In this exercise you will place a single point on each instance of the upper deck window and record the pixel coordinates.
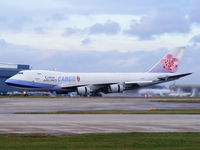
(20, 73)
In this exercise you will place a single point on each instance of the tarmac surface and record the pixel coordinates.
(64, 124)
(13, 105)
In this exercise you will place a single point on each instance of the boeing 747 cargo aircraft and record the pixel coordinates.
(92, 84)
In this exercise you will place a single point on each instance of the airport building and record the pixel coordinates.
(187, 88)
(6, 71)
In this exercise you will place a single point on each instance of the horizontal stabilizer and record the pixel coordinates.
(178, 76)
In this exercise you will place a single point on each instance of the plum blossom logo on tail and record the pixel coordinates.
(170, 63)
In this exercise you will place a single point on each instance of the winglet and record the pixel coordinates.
(170, 63)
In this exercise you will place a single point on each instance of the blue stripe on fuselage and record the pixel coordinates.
(28, 84)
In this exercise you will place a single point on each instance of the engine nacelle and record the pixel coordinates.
(116, 88)
(83, 90)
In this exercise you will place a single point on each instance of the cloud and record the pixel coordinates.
(40, 30)
(7, 46)
(57, 17)
(196, 39)
(23, 54)
(109, 28)
(194, 15)
(119, 6)
(189, 64)
(102, 19)
(86, 41)
(70, 61)
(14, 23)
(77, 61)
(158, 23)
(93, 61)
(71, 31)
(127, 62)
(26, 15)
(3, 43)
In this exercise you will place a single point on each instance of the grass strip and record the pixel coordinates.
(111, 141)
(177, 101)
(152, 111)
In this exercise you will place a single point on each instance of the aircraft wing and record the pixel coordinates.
(94, 88)
(137, 84)
(104, 87)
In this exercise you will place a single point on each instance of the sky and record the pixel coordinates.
(100, 35)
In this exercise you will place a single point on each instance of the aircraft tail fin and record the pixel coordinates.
(170, 63)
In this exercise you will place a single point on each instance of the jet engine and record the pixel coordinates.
(83, 90)
(116, 88)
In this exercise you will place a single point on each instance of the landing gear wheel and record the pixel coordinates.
(97, 94)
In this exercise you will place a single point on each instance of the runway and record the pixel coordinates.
(81, 124)
(64, 124)
(13, 105)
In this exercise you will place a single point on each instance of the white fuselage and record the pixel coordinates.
(49, 80)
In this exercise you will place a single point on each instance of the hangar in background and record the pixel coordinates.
(8, 70)
(194, 89)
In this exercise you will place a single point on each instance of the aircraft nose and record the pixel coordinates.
(9, 81)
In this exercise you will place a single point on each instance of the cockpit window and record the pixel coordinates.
(20, 73)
